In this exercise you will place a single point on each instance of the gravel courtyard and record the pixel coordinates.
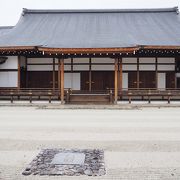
(139, 144)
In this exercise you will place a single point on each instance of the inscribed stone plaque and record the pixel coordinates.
(69, 158)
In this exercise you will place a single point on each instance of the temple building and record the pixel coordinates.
(91, 55)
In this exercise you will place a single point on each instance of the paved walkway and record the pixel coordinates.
(139, 144)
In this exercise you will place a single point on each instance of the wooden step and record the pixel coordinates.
(89, 98)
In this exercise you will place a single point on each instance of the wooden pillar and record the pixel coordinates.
(19, 74)
(54, 76)
(26, 68)
(137, 73)
(59, 75)
(120, 74)
(156, 71)
(72, 73)
(116, 81)
(62, 80)
(71, 65)
(90, 75)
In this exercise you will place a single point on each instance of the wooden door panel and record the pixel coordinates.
(39, 79)
(102, 80)
(99, 80)
(84, 80)
(170, 79)
(147, 79)
(132, 79)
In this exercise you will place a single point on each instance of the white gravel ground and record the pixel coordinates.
(139, 144)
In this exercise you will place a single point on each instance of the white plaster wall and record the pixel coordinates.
(40, 68)
(166, 67)
(98, 67)
(125, 81)
(147, 60)
(161, 80)
(102, 60)
(147, 67)
(129, 67)
(65, 60)
(81, 67)
(40, 60)
(129, 60)
(72, 80)
(81, 60)
(102, 67)
(166, 60)
(8, 79)
(11, 63)
(66, 67)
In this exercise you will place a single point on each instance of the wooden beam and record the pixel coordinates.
(116, 81)
(88, 50)
(19, 73)
(137, 73)
(54, 76)
(162, 47)
(17, 48)
(62, 80)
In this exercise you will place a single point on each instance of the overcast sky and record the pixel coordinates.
(10, 10)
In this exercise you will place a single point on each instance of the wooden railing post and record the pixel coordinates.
(169, 97)
(149, 96)
(110, 96)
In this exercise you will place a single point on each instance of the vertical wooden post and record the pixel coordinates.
(62, 80)
(71, 73)
(54, 77)
(156, 71)
(90, 75)
(137, 73)
(19, 74)
(59, 77)
(120, 74)
(26, 68)
(116, 81)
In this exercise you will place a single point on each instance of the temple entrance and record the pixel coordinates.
(147, 79)
(99, 81)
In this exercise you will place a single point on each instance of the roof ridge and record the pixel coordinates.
(6, 27)
(174, 9)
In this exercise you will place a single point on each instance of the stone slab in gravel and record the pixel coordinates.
(69, 158)
(72, 162)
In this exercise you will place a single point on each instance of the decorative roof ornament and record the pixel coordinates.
(3, 60)
(177, 9)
